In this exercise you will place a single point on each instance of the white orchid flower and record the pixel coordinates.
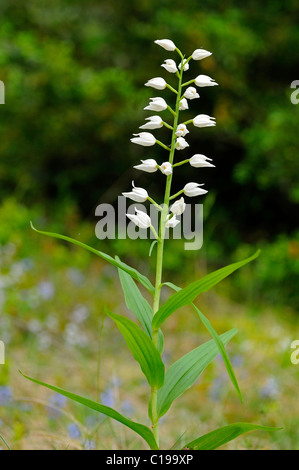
(193, 189)
(200, 161)
(178, 207)
(149, 166)
(183, 104)
(200, 54)
(144, 138)
(157, 82)
(166, 168)
(191, 93)
(137, 194)
(203, 120)
(167, 44)
(155, 122)
(181, 130)
(205, 80)
(157, 104)
(171, 222)
(170, 66)
(141, 219)
(186, 65)
(181, 143)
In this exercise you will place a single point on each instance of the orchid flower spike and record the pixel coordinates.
(157, 104)
(192, 190)
(149, 166)
(158, 83)
(203, 120)
(155, 122)
(181, 143)
(141, 219)
(183, 104)
(181, 130)
(144, 138)
(166, 168)
(205, 80)
(191, 93)
(200, 54)
(167, 44)
(200, 161)
(178, 207)
(137, 194)
(186, 65)
(170, 66)
(171, 222)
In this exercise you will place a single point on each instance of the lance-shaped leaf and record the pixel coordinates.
(119, 264)
(218, 342)
(217, 438)
(143, 350)
(188, 294)
(140, 429)
(184, 372)
(139, 306)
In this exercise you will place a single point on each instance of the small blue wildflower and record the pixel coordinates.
(73, 431)
(5, 395)
(127, 407)
(237, 360)
(55, 402)
(46, 290)
(89, 444)
(270, 390)
(107, 397)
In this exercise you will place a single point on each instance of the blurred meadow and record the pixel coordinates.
(74, 74)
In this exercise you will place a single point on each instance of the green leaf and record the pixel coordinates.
(184, 372)
(218, 342)
(217, 438)
(140, 429)
(119, 264)
(139, 306)
(188, 294)
(136, 302)
(143, 350)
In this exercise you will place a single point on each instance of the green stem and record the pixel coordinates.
(176, 194)
(160, 246)
(182, 162)
(162, 145)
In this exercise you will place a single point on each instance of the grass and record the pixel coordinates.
(54, 328)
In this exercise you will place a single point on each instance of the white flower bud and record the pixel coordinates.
(170, 66)
(166, 168)
(137, 194)
(141, 219)
(191, 93)
(181, 143)
(192, 189)
(144, 138)
(155, 122)
(149, 165)
(183, 104)
(171, 222)
(157, 104)
(186, 65)
(181, 130)
(200, 161)
(167, 44)
(157, 82)
(205, 80)
(200, 54)
(203, 120)
(178, 207)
